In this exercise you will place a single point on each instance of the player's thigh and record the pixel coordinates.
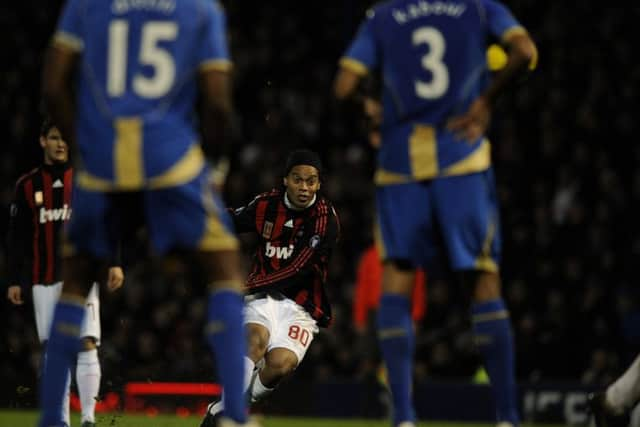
(45, 298)
(258, 312)
(88, 231)
(189, 216)
(294, 331)
(467, 211)
(405, 223)
(91, 325)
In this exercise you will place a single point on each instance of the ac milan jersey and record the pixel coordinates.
(42, 204)
(293, 254)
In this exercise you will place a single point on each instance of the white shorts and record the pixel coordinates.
(45, 298)
(289, 325)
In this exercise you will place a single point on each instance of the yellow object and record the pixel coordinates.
(496, 57)
(481, 377)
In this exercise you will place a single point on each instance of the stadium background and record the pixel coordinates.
(567, 164)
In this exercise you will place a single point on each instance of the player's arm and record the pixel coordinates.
(60, 63)
(115, 272)
(244, 217)
(18, 237)
(522, 56)
(313, 246)
(354, 68)
(215, 85)
(215, 113)
(59, 66)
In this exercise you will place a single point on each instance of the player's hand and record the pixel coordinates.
(14, 294)
(375, 139)
(473, 124)
(115, 279)
(219, 174)
(373, 111)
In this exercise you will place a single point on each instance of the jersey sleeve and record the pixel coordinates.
(213, 52)
(18, 238)
(70, 31)
(362, 55)
(244, 218)
(502, 24)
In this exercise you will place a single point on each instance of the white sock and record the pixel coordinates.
(66, 416)
(626, 390)
(259, 390)
(88, 376)
(249, 366)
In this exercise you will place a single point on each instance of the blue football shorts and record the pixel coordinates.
(454, 218)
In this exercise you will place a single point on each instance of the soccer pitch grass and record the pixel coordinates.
(28, 419)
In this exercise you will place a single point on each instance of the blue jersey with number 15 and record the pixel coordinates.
(432, 56)
(137, 87)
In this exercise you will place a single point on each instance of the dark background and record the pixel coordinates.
(566, 153)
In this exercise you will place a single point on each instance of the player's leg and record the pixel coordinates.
(467, 211)
(86, 242)
(612, 408)
(625, 391)
(224, 328)
(88, 371)
(291, 336)
(44, 303)
(64, 338)
(194, 218)
(257, 341)
(403, 216)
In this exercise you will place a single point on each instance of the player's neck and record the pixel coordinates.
(291, 206)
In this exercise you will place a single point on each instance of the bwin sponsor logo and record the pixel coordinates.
(278, 252)
(62, 214)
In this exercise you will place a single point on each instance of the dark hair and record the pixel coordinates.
(47, 125)
(303, 157)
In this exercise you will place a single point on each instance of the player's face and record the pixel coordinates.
(55, 149)
(302, 183)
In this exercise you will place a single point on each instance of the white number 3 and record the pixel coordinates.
(164, 69)
(432, 62)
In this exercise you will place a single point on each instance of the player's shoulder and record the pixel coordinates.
(273, 194)
(324, 207)
(27, 176)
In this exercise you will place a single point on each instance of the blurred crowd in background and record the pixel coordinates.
(569, 183)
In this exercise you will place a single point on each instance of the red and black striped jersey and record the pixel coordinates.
(294, 249)
(41, 205)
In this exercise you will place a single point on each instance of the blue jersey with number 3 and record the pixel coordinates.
(137, 86)
(432, 58)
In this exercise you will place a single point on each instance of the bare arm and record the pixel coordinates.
(216, 113)
(474, 123)
(57, 86)
(522, 55)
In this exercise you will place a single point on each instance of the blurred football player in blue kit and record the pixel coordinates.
(435, 185)
(129, 110)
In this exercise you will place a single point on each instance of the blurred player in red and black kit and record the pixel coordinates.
(42, 204)
(286, 302)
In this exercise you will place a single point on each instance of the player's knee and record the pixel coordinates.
(257, 344)
(89, 343)
(281, 363)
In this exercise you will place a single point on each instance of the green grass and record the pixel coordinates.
(28, 419)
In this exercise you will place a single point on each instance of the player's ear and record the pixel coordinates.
(43, 141)
(284, 181)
